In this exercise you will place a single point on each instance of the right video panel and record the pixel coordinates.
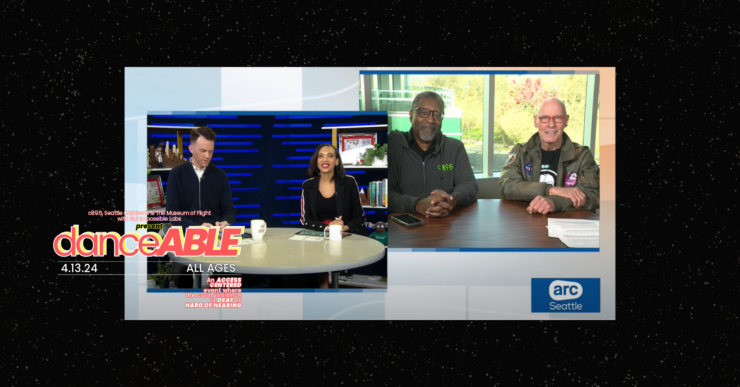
(492, 176)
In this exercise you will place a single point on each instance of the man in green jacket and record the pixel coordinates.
(550, 171)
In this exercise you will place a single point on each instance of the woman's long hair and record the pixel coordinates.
(313, 168)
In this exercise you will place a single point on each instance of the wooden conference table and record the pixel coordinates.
(277, 255)
(488, 223)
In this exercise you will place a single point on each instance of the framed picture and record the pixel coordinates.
(357, 140)
(154, 192)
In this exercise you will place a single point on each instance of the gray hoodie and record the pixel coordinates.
(410, 178)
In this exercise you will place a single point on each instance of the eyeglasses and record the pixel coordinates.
(424, 113)
(546, 119)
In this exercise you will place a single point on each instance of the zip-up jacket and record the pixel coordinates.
(410, 178)
(520, 177)
(348, 206)
(185, 192)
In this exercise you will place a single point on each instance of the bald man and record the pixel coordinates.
(550, 171)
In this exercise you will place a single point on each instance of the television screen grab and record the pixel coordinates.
(363, 194)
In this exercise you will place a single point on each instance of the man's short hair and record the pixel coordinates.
(204, 131)
(430, 95)
(562, 104)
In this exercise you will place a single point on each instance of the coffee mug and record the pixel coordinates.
(258, 229)
(335, 233)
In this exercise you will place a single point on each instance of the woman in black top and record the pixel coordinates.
(329, 196)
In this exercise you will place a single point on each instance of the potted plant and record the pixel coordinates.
(163, 276)
(376, 152)
(151, 283)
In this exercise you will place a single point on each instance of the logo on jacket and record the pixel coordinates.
(528, 169)
(571, 179)
(511, 157)
(445, 167)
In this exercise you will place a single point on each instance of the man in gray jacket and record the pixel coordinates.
(550, 171)
(428, 173)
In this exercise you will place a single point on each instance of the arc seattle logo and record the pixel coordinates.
(566, 295)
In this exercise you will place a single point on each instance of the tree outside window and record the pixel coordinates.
(468, 109)
(516, 100)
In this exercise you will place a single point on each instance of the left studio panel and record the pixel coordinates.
(265, 169)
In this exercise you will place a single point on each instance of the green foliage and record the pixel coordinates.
(468, 98)
(597, 151)
(370, 154)
(517, 99)
(164, 272)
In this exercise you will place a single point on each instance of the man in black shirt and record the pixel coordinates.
(428, 172)
(199, 185)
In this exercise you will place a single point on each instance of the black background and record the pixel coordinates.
(677, 253)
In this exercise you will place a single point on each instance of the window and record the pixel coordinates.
(597, 143)
(463, 95)
(516, 100)
(489, 112)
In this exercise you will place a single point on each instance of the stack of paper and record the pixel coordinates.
(574, 232)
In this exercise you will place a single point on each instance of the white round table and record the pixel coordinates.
(277, 254)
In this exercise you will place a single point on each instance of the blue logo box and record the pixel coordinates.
(566, 295)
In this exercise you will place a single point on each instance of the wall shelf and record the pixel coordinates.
(365, 127)
(365, 167)
(178, 129)
(155, 209)
(359, 128)
(364, 281)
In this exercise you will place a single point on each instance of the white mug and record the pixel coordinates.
(335, 233)
(259, 227)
